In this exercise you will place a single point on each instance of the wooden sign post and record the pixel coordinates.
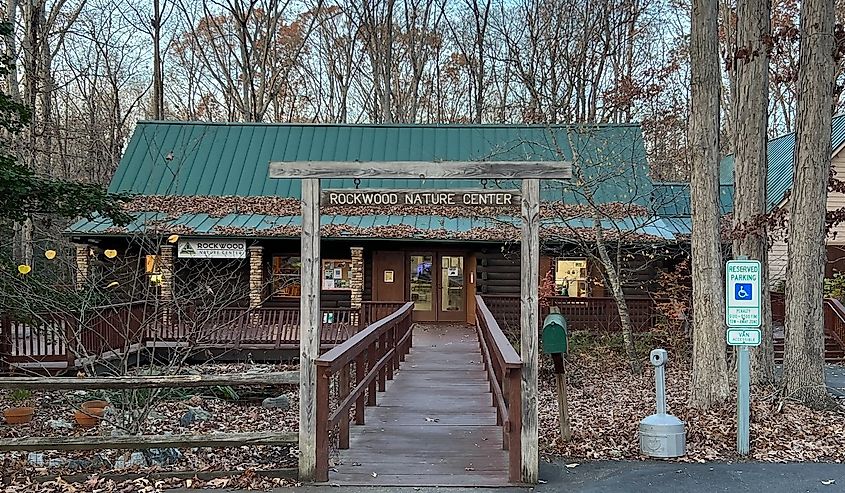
(530, 172)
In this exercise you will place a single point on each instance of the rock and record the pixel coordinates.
(35, 459)
(194, 414)
(100, 461)
(136, 459)
(56, 463)
(60, 424)
(281, 402)
(164, 456)
(79, 464)
(110, 413)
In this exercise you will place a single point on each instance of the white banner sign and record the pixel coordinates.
(744, 337)
(212, 248)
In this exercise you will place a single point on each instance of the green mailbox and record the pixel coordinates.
(554, 334)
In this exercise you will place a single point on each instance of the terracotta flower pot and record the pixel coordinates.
(18, 415)
(94, 405)
(87, 419)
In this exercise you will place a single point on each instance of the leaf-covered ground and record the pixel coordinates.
(606, 404)
(226, 413)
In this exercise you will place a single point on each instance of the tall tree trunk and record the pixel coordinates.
(611, 275)
(709, 369)
(803, 366)
(751, 64)
(158, 84)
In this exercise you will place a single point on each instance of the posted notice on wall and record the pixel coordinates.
(233, 249)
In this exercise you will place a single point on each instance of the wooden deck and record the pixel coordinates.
(435, 425)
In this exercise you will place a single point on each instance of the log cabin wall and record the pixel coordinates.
(498, 272)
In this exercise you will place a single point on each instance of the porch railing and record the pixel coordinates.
(241, 326)
(351, 373)
(590, 313)
(62, 338)
(504, 371)
(376, 310)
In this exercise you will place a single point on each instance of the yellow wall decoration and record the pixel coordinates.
(50, 254)
(24, 269)
(110, 253)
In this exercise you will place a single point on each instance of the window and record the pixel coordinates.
(152, 267)
(286, 276)
(571, 277)
(336, 274)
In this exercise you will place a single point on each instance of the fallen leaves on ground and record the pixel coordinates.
(226, 416)
(607, 402)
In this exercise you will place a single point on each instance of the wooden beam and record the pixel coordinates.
(529, 327)
(309, 333)
(147, 382)
(214, 440)
(290, 473)
(409, 170)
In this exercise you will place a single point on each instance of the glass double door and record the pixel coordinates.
(437, 286)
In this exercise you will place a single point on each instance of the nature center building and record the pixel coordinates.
(203, 198)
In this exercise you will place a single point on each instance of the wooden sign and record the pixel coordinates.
(379, 197)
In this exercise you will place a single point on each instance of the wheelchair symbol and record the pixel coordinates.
(742, 291)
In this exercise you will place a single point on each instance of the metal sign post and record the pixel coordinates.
(743, 316)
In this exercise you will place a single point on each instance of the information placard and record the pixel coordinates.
(742, 295)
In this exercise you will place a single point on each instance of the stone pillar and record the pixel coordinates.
(83, 265)
(165, 294)
(256, 281)
(356, 280)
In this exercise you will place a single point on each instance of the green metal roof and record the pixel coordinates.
(781, 154)
(672, 199)
(218, 159)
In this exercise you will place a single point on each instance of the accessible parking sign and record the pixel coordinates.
(743, 293)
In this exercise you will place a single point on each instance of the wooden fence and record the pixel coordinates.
(140, 442)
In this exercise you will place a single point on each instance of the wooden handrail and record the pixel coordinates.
(836, 326)
(504, 371)
(505, 350)
(372, 355)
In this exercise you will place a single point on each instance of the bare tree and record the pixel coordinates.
(749, 60)
(104, 318)
(249, 51)
(803, 371)
(709, 368)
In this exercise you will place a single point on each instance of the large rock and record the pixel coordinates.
(35, 459)
(59, 424)
(164, 456)
(281, 402)
(194, 414)
(137, 459)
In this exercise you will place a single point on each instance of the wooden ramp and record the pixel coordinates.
(435, 425)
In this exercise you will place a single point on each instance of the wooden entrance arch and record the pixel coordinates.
(530, 172)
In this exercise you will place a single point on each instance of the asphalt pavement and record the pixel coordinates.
(649, 477)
